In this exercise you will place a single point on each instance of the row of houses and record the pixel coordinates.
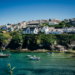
(10, 27)
(54, 21)
(21, 25)
(71, 21)
(37, 23)
(48, 30)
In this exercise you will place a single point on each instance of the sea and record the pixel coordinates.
(50, 64)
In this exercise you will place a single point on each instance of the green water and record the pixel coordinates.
(55, 64)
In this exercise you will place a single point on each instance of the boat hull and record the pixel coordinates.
(72, 56)
(4, 56)
(32, 58)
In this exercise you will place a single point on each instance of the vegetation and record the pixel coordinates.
(40, 32)
(4, 37)
(10, 70)
(17, 38)
(71, 49)
(60, 25)
(33, 41)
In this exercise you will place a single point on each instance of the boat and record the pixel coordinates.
(72, 56)
(49, 53)
(34, 58)
(4, 55)
(28, 55)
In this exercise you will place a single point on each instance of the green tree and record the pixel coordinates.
(4, 37)
(17, 38)
(63, 39)
(62, 23)
(13, 33)
(73, 37)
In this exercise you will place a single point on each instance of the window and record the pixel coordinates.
(27, 31)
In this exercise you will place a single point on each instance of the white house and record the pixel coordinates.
(53, 23)
(30, 30)
(56, 31)
(45, 29)
(68, 30)
(65, 29)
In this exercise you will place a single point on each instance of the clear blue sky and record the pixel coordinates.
(13, 11)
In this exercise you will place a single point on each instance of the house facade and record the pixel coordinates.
(56, 31)
(72, 21)
(68, 29)
(54, 21)
(30, 30)
(45, 29)
(36, 22)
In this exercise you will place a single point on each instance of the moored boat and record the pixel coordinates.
(28, 55)
(34, 58)
(4, 55)
(72, 56)
(49, 53)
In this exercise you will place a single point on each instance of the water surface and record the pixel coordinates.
(53, 64)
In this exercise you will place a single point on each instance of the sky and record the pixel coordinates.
(14, 11)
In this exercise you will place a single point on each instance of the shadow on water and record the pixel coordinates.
(47, 71)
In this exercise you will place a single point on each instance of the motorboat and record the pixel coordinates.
(4, 55)
(49, 53)
(34, 58)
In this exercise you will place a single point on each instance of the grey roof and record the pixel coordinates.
(40, 28)
(30, 28)
(24, 29)
(33, 22)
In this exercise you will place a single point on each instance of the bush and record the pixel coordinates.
(71, 49)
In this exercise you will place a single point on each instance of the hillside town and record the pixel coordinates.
(51, 26)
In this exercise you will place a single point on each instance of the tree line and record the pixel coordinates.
(34, 41)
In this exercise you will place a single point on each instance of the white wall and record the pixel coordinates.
(53, 23)
(26, 32)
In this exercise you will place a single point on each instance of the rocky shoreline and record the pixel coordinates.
(39, 51)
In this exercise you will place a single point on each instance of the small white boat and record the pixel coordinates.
(49, 53)
(35, 58)
(28, 55)
(4, 55)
